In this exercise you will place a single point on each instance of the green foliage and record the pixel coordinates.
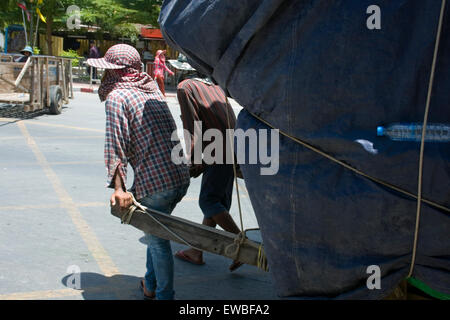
(36, 50)
(144, 11)
(117, 16)
(71, 54)
(10, 13)
(111, 16)
(127, 30)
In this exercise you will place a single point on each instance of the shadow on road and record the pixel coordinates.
(16, 113)
(96, 286)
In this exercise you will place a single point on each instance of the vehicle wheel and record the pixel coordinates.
(56, 101)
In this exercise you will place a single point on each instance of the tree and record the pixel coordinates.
(145, 11)
(56, 17)
(118, 16)
(10, 13)
(115, 17)
(52, 10)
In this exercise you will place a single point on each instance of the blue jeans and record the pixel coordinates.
(159, 275)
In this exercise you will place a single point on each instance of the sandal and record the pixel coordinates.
(147, 297)
(182, 256)
(235, 265)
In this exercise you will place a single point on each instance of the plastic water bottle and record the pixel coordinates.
(435, 132)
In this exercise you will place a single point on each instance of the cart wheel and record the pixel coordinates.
(56, 101)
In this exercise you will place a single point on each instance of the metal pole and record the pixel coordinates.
(25, 27)
(6, 39)
(90, 72)
(36, 34)
(31, 27)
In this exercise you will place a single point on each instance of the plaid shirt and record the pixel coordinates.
(139, 127)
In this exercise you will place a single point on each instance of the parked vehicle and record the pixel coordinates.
(41, 82)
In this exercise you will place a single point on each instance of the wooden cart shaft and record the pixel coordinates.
(196, 235)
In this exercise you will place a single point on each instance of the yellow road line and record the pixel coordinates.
(40, 123)
(46, 124)
(92, 204)
(122, 290)
(64, 163)
(61, 205)
(11, 138)
(8, 119)
(35, 295)
(104, 262)
(55, 163)
(54, 137)
(53, 206)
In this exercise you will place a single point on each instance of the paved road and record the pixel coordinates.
(55, 218)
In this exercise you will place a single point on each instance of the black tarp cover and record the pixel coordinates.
(313, 69)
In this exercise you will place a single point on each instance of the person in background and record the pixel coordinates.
(139, 128)
(27, 52)
(202, 100)
(159, 68)
(93, 54)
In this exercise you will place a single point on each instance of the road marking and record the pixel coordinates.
(102, 258)
(11, 138)
(61, 205)
(8, 120)
(55, 163)
(48, 294)
(123, 291)
(54, 137)
(53, 206)
(46, 124)
(65, 163)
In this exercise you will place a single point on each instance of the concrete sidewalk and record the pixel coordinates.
(85, 87)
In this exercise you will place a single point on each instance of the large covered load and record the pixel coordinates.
(328, 74)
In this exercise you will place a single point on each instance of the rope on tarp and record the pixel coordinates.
(422, 142)
(234, 170)
(240, 238)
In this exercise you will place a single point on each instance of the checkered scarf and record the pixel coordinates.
(128, 77)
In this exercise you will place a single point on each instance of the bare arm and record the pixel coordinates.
(120, 195)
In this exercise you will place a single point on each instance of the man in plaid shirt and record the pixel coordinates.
(139, 127)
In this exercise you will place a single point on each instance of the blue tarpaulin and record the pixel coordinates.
(319, 71)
